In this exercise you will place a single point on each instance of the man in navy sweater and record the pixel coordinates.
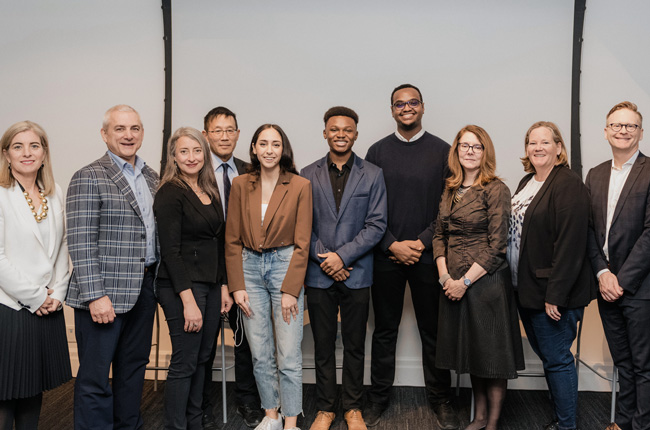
(414, 163)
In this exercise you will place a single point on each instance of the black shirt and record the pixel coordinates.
(339, 178)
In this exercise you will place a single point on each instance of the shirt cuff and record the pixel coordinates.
(601, 272)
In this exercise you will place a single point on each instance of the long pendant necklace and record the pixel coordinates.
(38, 217)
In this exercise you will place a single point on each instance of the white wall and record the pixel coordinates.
(501, 64)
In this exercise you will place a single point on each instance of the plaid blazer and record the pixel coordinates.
(106, 236)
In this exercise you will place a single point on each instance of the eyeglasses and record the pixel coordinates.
(464, 147)
(412, 103)
(229, 131)
(616, 127)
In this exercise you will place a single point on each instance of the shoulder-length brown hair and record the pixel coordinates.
(562, 159)
(45, 175)
(488, 159)
(207, 182)
(286, 159)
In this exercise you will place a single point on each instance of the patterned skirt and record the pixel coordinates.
(480, 334)
(34, 354)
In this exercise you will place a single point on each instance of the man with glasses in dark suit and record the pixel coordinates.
(222, 132)
(619, 248)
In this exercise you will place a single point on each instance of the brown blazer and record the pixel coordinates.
(474, 230)
(287, 222)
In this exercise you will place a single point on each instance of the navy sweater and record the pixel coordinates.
(415, 174)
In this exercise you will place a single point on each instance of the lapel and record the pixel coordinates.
(635, 170)
(325, 184)
(55, 208)
(353, 180)
(538, 197)
(115, 174)
(281, 189)
(23, 213)
(470, 195)
(199, 206)
(600, 192)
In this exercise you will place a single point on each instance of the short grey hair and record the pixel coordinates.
(117, 108)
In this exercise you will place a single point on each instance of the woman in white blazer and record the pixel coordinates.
(34, 274)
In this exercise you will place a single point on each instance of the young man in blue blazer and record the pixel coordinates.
(349, 220)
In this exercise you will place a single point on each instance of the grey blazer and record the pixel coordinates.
(106, 236)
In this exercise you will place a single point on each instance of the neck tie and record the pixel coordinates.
(226, 187)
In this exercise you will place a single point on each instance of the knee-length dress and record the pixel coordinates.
(478, 334)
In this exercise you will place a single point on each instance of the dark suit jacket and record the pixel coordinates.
(106, 235)
(242, 166)
(191, 245)
(354, 230)
(629, 234)
(287, 222)
(553, 262)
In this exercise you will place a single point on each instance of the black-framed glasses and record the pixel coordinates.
(230, 132)
(464, 147)
(616, 127)
(412, 103)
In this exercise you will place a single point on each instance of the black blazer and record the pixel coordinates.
(629, 234)
(553, 262)
(191, 245)
(242, 166)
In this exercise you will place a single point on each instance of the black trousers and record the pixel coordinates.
(627, 328)
(190, 352)
(126, 343)
(245, 386)
(388, 302)
(323, 305)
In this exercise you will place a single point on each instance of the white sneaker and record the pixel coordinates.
(294, 428)
(269, 423)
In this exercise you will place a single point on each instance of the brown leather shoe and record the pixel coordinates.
(323, 420)
(355, 420)
(612, 426)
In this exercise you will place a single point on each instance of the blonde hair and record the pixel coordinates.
(562, 158)
(487, 165)
(206, 181)
(626, 105)
(45, 175)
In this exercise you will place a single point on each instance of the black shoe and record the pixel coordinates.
(251, 413)
(553, 425)
(210, 423)
(446, 416)
(372, 413)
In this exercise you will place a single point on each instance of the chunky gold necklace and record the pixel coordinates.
(39, 217)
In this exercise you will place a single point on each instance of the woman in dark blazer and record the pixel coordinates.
(192, 271)
(478, 329)
(267, 248)
(547, 252)
(34, 277)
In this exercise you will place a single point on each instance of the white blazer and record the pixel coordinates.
(27, 269)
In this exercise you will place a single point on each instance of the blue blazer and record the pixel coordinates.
(352, 232)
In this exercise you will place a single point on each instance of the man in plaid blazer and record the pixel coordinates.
(112, 240)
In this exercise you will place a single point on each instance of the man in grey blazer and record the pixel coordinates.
(112, 242)
(619, 248)
(222, 132)
(349, 220)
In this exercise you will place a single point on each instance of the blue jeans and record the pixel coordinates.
(279, 383)
(551, 340)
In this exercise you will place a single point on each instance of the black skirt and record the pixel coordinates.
(480, 334)
(34, 354)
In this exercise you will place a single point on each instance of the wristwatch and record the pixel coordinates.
(467, 282)
(444, 278)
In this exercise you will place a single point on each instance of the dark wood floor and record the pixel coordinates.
(409, 410)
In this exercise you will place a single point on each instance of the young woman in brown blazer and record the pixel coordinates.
(267, 247)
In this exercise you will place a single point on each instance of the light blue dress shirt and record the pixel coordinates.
(143, 196)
